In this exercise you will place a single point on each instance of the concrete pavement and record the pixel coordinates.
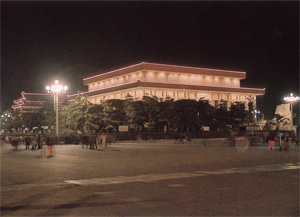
(153, 179)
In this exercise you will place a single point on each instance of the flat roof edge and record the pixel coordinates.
(156, 66)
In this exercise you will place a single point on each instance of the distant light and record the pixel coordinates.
(291, 98)
(56, 88)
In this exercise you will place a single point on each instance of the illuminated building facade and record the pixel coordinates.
(177, 82)
(32, 102)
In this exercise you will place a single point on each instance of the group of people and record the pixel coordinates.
(281, 142)
(88, 140)
(36, 142)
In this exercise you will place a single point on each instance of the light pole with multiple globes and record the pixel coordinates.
(56, 89)
(291, 99)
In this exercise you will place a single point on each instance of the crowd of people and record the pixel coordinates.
(32, 142)
(35, 142)
(92, 141)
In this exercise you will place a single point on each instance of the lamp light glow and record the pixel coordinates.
(291, 99)
(56, 89)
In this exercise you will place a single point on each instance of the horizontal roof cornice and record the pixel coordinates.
(139, 83)
(165, 68)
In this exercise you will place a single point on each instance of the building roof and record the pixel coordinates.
(139, 83)
(32, 101)
(37, 96)
(166, 68)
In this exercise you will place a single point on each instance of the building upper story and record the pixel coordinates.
(169, 74)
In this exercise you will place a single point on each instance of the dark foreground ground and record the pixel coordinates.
(150, 179)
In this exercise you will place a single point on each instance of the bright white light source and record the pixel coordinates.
(56, 88)
(291, 98)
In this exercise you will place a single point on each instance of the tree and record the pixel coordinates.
(48, 115)
(185, 118)
(113, 114)
(43, 117)
(205, 113)
(166, 113)
(116, 111)
(150, 110)
(32, 120)
(10, 119)
(221, 118)
(238, 115)
(82, 115)
(130, 109)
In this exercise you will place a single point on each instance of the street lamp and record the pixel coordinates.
(56, 89)
(291, 99)
(255, 113)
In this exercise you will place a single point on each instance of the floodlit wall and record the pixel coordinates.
(166, 77)
(163, 93)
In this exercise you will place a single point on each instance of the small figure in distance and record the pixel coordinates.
(27, 142)
(271, 141)
(281, 139)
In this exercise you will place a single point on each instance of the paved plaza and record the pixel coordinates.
(150, 179)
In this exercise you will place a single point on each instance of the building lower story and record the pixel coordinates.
(136, 91)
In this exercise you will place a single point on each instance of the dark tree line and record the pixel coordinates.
(153, 115)
(148, 114)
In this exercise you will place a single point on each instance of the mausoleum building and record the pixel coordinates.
(177, 82)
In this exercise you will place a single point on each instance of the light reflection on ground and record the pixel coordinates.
(160, 177)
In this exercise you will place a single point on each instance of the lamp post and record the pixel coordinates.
(255, 113)
(291, 99)
(56, 89)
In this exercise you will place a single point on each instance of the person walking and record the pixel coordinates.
(48, 146)
(27, 142)
(271, 141)
(7, 139)
(34, 143)
(281, 139)
(15, 143)
(39, 142)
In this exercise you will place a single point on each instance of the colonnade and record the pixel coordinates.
(177, 94)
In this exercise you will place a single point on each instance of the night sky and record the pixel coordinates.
(70, 40)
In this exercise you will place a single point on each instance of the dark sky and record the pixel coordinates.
(43, 41)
